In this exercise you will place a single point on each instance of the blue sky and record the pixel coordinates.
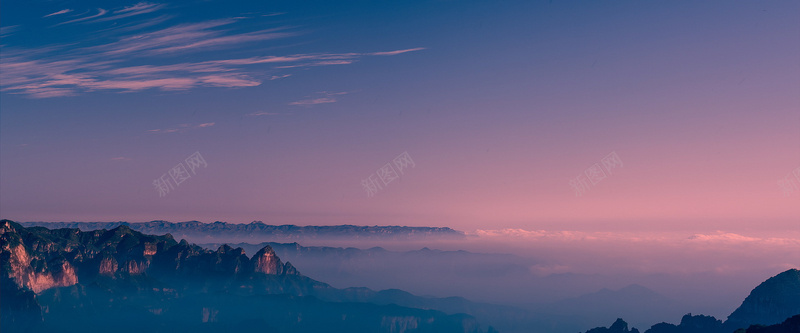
(500, 104)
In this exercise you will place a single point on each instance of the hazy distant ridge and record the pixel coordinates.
(258, 229)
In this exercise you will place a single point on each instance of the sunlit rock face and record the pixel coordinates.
(267, 262)
(108, 266)
(135, 267)
(34, 273)
(150, 249)
(38, 259)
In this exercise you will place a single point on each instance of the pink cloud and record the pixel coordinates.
(46, 72)
(262, 113)
(100, 12)
(314, 101)
(391, 53)
(63, 11)
(230, 81)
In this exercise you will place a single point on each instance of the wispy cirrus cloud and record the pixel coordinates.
(63, 11)
(137, 9)
(100, 12)
(136, 56)
(42, 79)
(100, 16)
(8, 30)
(314, 101)
(264, 113)
(391, 53)
(181, 128)
(327, 97)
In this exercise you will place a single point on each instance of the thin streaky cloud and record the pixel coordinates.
(314, 101)
(100, 12)
(7, 31)
(263, 113)
(329, 98)
(43, 78)
(62, 70)
(63, 11)
(187, 37)
(138, 9)
(236, 39)
(229, 81)
(181, 128)
(134, 26)
(390, 53)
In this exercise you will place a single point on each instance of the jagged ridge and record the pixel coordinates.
(257, 229)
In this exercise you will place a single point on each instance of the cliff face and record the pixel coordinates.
(771, 302)
(39, 258)
(121, 280)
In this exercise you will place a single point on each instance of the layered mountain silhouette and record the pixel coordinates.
(126, 281)
(633, 301)
(200, 232)
(772, 307)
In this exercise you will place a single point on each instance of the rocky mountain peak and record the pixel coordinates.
(771, 302)
(267, 262)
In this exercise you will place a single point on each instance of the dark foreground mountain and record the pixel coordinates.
(619, 326)
(772, 307)
(257, 231)
(121, 280)
(791, 325)
(771, 302)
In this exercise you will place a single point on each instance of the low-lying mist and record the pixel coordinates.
(644, 277)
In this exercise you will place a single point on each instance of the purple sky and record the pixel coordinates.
(500, 105)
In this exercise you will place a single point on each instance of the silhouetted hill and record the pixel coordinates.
(619, 326)
(777, 297)
(633, 301)
(791, 325)
(691, 324)
(771, 302)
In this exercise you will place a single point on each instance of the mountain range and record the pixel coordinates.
(199, 232)
(123, 280)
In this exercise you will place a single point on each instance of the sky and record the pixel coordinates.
(484, 116)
